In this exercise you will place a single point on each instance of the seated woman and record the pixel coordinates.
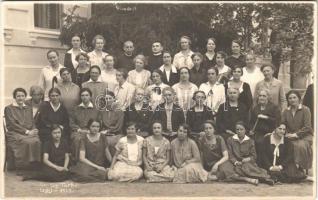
(156, 156)
(52, 112)
(22, 138)
(81, 73)
(140, 112)
(139, 77)
(55, 159)
(198, 114)
(127, 160)
(112, 119)
(94, 156)
(79, 118)
(243, 155)
(37, 96)
(297, 118)
(278, 159)
(265, 117)
(169, 114)
(215, 156)
(186, 157)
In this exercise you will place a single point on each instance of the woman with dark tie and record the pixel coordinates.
(170, 72)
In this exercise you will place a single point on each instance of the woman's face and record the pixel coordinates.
(109, 100)
(209, 130)
(199, 98)
(76, 42)
(262, 97)
(250, 60)
(293, 100)
(167, 60)
(131, 131)
(156, 78)
(109, 62)
(210, 46)
(20, 98)
(212, 77)
(85, 97)
(66, 76)
(139, 64)
(55, 97)
(99, 44)
(182, 133)
(219, 60)
(237, 73)
(240, 131)
(232, 94)
(280, 131)
(157, 129)
(37, 96)
(53, 58)
(184, 75)
(56, 134)
(139, 95)
(197, 61)
(268, 72)
(94, 128)
(185, 44)
(82, 60)
(236, 49)
(94, 74)
(168, 96)
(120, 77)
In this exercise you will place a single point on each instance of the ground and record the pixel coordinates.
(14, 187)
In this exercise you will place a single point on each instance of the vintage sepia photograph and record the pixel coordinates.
(158, 99)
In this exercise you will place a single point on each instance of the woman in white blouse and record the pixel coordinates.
(139, 77)
(108, 74)
(70, 56)
(183, 58)
(96, 56)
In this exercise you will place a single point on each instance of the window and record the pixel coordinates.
(47, 16)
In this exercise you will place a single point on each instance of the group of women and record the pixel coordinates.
(192, 118)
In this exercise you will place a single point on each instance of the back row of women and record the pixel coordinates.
(92, 102)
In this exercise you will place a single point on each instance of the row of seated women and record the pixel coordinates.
(29, 126)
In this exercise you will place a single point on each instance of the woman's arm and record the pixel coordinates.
(108, 155)
(114, 159)
(47, 162)
(83, 159)
(67, 160)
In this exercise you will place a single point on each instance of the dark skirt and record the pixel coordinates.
(84, 173)
(225, 171)
(288, 175)
(251, 170)
(259, 138)
(303, 154)
(47, 174)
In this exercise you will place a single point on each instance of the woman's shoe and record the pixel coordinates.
(252, 181)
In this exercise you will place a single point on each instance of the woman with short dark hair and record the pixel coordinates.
(70, 60)
(237, 58)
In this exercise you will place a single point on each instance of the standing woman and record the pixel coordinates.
(243, 155)
(265, 117)
(94, 156)
(236, 58)
(297, 118)
(109, 72)
(156, 156)
(229, 113)
(275, 86)
(50, 71)
(52, 112)
(139, 77)
(70, 61)
(183, 58)
(209, 58)
(186, 157)
(37, 96)
(155, 90)
(140, 112)
(96, 56)
(170, 72)
(245, 96)
(185, 89)
(198, 72)
(215, 156)
(22, 136)
(127, 160)
(69, 90)
(224, 70)
(81, 73)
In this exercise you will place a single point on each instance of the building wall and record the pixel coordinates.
(25, 46)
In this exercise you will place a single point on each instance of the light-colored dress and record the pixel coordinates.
(127, 167)
(155, 92)
(156, 156)
(184, 95)
(252, 78)
(139, 79)
(192, 172)
(94, 59)
(181, 60)
(109, 77)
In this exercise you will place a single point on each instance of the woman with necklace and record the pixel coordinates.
(245, 96)
(139, 77)
(237, 58)
(94, 156)
(209, 58)
(215, 156)
(156, 156)
(170, 72)
(265, 117)
(70, 61)
(185, 89)
(81, 73)
(127, 160)
(108, 74)
(96, 56)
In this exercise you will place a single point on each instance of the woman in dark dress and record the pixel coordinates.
(245, 96)
(209, 58)
(243, 155)
(94, 156)
(278, 159)
(52, 112)
(265, 117)
(229, 113)
(55, 159)
(215, 156)
(236, 58)
(81, 73)
(198, 74)
(170, 72)
(140, 112)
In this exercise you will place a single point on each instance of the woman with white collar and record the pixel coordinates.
(70, 56)
(170, 72)
(96, 56)
(242, 154)
(183, 58)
